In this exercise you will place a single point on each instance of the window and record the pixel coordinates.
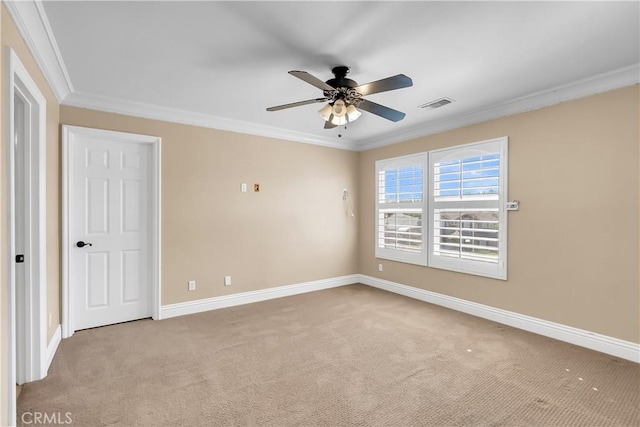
(401, 209)
(458, 221)
(467, 215)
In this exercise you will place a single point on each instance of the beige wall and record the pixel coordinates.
(573, 245)
(12, 38)
(294, 230)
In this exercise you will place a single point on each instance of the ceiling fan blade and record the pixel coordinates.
(303, 75)
(390, 83)
(381, 110)
(296, 104)
(329, 125)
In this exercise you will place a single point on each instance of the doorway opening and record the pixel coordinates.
(110, 227)
(26, 250)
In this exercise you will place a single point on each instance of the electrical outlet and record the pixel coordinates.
(380, 267)
(243, 187)
(192, 285)
(227, 280)
(256, 188)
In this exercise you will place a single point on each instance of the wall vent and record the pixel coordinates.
(432, 105)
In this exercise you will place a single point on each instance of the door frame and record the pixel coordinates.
(30, 305)
(68, 132)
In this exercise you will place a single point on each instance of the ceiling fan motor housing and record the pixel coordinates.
(344, 86)
(340, 79)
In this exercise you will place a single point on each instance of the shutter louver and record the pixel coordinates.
(467, 222)
(400, 209)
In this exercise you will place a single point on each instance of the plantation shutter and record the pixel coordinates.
(400, 208)
(467, 215)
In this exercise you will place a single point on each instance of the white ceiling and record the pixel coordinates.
(221, 64)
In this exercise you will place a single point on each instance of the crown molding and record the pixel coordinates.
(605, 82)
(616, 79)
(31, 20)
(155, 112)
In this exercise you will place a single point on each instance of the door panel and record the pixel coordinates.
(131, 194)
(109, 193)
(20, 229)
(97, 204)
(97, 266)
(131, 291)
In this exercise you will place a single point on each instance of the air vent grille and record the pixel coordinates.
(432, 105)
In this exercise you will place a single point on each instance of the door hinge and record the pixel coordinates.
(19, 258)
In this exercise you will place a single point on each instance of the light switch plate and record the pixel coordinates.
(513, 205)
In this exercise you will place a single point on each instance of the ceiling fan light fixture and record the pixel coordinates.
(339, 108)
(353, 113)
(325, 112)
(339, 120)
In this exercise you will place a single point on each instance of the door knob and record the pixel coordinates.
(82, 244)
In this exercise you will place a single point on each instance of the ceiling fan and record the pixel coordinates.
(344, 95)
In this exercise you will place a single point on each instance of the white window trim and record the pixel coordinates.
(427, 258)
(396, 255)
(496, 271)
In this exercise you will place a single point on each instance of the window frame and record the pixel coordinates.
(493, 270)
(429, 205)
(418, 258)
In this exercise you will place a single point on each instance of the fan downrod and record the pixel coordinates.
(340, 72)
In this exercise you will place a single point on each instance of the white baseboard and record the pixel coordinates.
(53, 347)
(605, 344)
(198, 306)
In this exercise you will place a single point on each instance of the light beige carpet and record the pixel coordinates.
(350, 356)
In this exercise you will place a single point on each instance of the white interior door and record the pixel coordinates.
(110, 195)
(20, 128)
(26, 226)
